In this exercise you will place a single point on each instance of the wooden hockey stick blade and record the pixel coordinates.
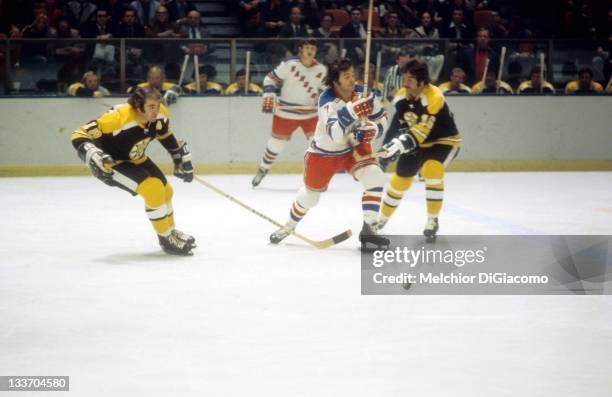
(345, 235)
(318, 244)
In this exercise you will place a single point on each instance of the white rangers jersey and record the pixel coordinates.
(299, 86)
(333, 136)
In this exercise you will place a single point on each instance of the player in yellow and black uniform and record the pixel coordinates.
(113, 147)
(428, 142)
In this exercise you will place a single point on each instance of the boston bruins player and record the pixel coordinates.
(113, 147)
(428, 142)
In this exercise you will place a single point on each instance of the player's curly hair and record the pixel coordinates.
(140, 95)
(334, 69)
(418, 69)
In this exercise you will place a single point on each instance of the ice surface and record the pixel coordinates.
(86, 292)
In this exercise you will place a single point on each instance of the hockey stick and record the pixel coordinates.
(318, 244)
(247, 69)
(366, 66)
(501, 69)
(541, 73)
(196, 72)
(378, 65)
(484, 76)
(183, 69)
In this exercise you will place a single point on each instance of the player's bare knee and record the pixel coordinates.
(400, 183)
(370, 176)
(433, 172)
(153, 192)
(308, 198)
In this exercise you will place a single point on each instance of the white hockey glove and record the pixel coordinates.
(98, 162)
(404, 143)
(171, 96)
(183, 167)
(269, 100)
(356, 110)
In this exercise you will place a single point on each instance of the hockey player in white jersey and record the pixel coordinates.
(347, 124)
(297, 82)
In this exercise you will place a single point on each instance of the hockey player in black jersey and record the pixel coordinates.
(113, 147)
(428, 142)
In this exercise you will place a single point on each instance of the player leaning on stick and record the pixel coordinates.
(298, 80)
(345, 120)
(428, 142)
(113, 147)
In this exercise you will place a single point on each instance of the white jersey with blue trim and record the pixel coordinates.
(299, 86)
(333, 137)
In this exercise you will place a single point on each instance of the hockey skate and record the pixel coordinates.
(370, 240)
(282, 233)
(184, 237)
(431, 230)
(174, 246)
(261, 173)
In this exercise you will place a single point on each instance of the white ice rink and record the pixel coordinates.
(86, 292)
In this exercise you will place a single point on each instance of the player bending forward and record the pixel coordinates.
(113, 147)
(344, 120)
(428, 142)
(299, 80)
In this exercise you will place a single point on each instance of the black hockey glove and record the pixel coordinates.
(99, 163)
(183, 168)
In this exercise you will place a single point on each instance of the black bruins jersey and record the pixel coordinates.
(427, 117)
(119, 133)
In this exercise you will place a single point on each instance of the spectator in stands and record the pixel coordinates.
(492, 85)
(295, 26)
(145, 10)
(238, 87)
(207, 86)
(196, 30)
(584, 84)
(497, 29)
(324, 30)
(273, 17)
(79, 12)
(49, 8)
(430, 53)
(535, 84)
(179, 9)
(162, 25)
(409, 16)
(473, 60)
(457, 28)
(326, 50)
(455, 86)
(427, 29)
(129, 27)
(354, 29)
(393, 28)
(115, 10)
(65, 31)
(101, 54)
(39, 29)
(246, 10)
(88, 87)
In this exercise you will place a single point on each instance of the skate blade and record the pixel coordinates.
(369, 247)
(431, 239)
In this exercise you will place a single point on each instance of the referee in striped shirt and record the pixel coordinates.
(393, 82)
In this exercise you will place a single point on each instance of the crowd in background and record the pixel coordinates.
(472, 24)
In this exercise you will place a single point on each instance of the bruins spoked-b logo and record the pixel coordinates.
(138, 149)
(411, 118)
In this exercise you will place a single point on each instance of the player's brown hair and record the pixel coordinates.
(418, 69)
(307, 41)
(334, 69)
(140, 95)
